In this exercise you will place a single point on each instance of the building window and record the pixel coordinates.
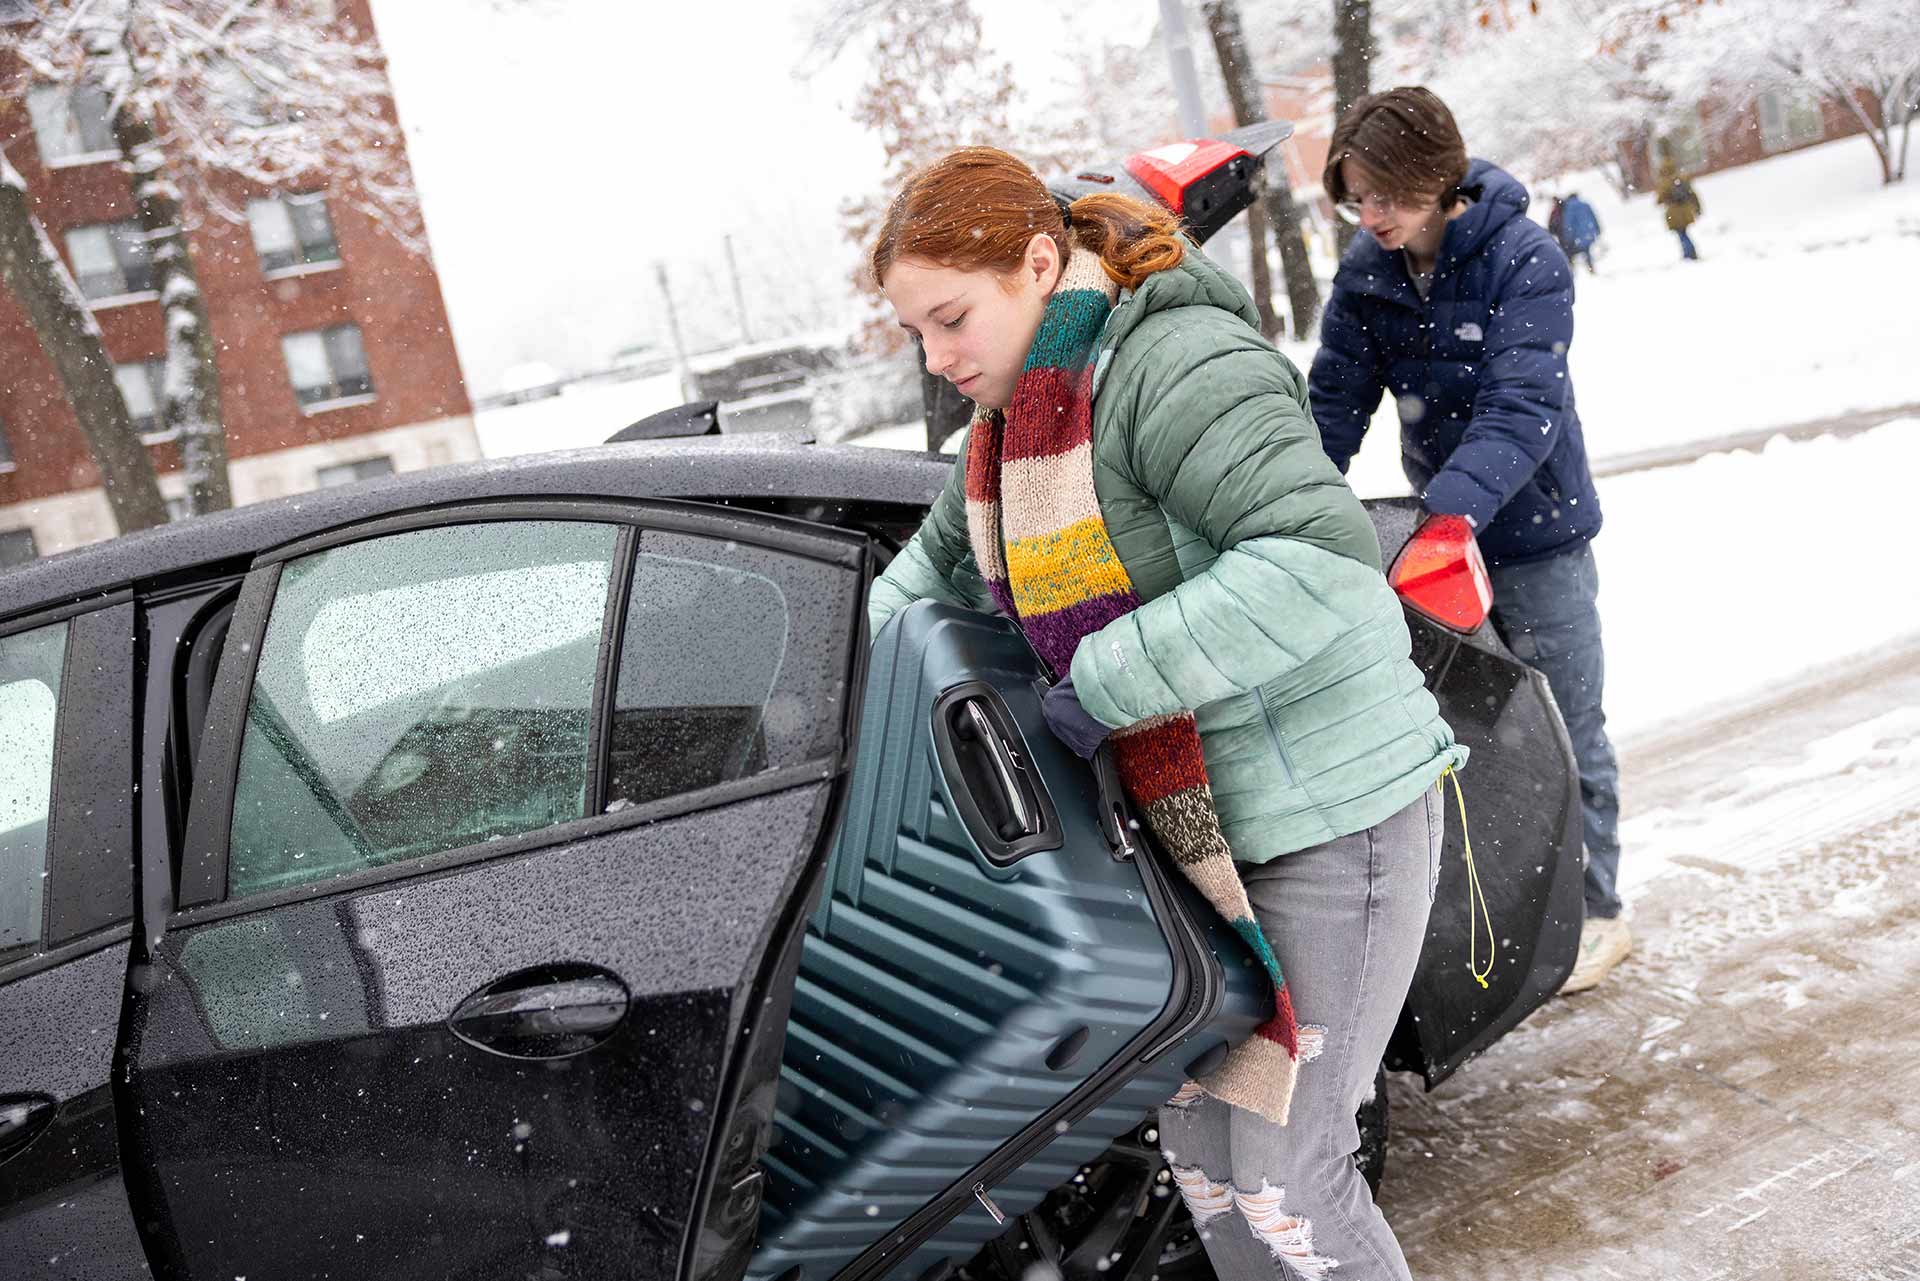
(328, 367)
(141, 383)
(110, 259)
(291, 232)
(16, 547)
(71, 124)
(1789, 120)
(348, 473)
(6, 451)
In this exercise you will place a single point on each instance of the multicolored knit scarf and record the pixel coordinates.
(1042, 546)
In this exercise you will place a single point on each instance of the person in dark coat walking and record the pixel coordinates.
(1579, 229)
(1462, 308)
(1681, 203)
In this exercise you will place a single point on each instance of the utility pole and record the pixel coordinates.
(739, 298)
(680, 367)
(1186, 81)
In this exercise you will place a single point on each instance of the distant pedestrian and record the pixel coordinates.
(1579, 229)
(1676, 195)
(1461, 307)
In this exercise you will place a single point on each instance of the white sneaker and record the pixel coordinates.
(1604, 943)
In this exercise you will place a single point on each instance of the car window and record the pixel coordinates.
(730, 664)
(30, 664)
(417, 693)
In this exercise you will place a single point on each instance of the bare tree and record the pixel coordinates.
(210, 99)
(932, 86)
(1282, 213)
(33, 273)
(1550, 92)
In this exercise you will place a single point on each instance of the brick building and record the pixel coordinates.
(1710, 137)
(335, 359)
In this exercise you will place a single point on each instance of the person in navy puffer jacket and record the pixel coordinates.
(1461, 307)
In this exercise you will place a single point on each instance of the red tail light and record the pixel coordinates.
(1440, 573)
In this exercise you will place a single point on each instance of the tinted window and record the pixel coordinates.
(30, 665)
(732, 663)
(417, 693)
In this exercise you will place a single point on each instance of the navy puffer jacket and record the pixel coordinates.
(1478, 370)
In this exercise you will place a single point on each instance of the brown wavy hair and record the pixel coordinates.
(1407, 139)
(977, 208)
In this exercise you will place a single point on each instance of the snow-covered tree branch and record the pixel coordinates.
(1863, 54)
(211, 102)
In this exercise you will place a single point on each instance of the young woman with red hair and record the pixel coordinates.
(1142, 491)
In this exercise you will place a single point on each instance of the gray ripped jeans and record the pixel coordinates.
(1347, 919)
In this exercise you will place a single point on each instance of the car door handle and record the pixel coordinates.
(22, 1118)
(546, 1012)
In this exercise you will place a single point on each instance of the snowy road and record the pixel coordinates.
(1742, 1099)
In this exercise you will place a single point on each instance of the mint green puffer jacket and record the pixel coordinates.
(1265, 611)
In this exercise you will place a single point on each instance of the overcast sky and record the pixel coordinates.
(562, 147)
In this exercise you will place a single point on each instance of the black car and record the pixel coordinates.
(533, 869)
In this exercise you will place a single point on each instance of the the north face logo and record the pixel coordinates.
(1469, 332)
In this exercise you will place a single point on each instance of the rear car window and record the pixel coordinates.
(417, 693)
(730, 665)
(30, 667)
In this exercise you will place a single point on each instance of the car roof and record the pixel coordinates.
(748, 465)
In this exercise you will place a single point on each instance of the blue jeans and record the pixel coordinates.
(1687, 250)
(1544, 610)
(1347, 919)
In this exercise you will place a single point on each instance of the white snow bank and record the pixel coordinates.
(1742, 571)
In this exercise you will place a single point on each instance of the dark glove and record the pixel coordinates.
(1070, 722)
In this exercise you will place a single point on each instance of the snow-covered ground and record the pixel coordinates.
(1733, 575)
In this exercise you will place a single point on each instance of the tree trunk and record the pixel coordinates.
(1910, 92)
(1353, 52)
(1243, 90)
(34, 275)
(1882, 148)
(1262, 276)
(190, 398)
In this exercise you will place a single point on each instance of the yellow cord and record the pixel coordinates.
(1474, 892)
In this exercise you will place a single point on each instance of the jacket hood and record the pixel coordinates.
(1498, 198)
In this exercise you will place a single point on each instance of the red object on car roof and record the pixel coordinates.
(1179, 172)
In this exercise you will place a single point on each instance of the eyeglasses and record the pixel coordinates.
(1382, 204)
